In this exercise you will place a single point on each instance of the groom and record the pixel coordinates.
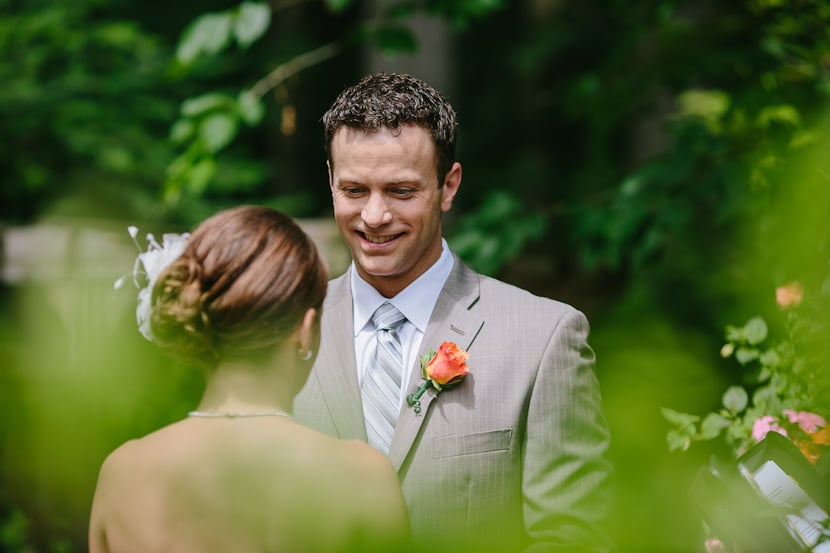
(513, 456)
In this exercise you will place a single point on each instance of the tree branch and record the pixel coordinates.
(292, 67)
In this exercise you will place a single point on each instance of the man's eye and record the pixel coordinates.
(353, 191)
(402, 192)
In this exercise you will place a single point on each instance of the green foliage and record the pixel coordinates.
(14, 531)
(208, 124)
(461, 12)
(640, 136)
(391, 38)
(212, 121)
(83, 99)
(496, 233)
(338, 6)
(211, 33)
(670, 126)
(778, 376)
(709, 106)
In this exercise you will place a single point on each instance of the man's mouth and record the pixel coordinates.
(379, 239)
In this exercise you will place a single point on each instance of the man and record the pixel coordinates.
(511, 457)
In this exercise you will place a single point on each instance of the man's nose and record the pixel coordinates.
(376, 211)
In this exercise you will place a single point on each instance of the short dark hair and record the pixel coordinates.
(242, 284)
(389, 100)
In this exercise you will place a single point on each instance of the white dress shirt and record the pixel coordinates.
(416, 302)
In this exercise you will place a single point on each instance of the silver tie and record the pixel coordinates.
(381, 384)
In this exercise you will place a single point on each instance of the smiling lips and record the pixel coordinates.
(379, 239)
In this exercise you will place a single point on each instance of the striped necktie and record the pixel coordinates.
(381, 384)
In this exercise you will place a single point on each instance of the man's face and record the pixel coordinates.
(387, 202)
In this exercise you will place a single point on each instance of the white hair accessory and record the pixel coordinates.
(148, 266)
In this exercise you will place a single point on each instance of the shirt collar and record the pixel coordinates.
(416, 301)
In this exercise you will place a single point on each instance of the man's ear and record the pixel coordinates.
(331, 180)
(452, 182)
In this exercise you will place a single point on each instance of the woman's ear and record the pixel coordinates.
(308, 334)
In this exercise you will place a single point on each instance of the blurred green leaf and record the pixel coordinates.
(678, 419)
(755, 331)
(746, 355)
(199, 105)
(784, 114)
(734, 334)
(217, 130)
(182, 131)
(678, 441)
(251, 109)
(251, 22)
(207, 34)
(770, 358)
(713, 424)
(708, 105)
(200, 175)
(496, 232)
(735, 399)
(337, 6)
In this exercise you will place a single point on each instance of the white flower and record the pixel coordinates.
(150, 264)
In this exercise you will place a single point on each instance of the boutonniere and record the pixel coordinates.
(442, 369)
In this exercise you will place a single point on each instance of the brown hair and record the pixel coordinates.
(242, 284)
(389, 100)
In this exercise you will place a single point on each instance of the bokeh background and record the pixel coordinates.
(660, 164)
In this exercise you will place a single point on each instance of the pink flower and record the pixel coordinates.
(765, 424)
(808, 422)
(789, 295)
(713, 545)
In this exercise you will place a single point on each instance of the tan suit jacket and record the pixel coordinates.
(513, 456)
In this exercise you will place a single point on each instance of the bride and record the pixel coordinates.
(238, 474)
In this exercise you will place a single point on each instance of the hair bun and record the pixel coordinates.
(179, 320)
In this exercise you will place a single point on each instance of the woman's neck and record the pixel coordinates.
(242, 387)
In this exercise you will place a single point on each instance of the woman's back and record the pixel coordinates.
(245, 485)
(241, 299)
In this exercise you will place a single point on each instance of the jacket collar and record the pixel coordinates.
(451, 320)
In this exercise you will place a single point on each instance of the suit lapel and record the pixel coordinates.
(336, 368)
(452, 321)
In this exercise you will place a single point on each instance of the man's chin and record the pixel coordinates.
(370, 272)
(375, 268)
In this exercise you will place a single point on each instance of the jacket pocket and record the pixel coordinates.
(467, 444)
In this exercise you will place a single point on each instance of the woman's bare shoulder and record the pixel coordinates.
(351, 456)
(372, 474)
(141, 454)
(119, 460)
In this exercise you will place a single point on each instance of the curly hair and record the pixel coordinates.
(242, 284)
(389, 100)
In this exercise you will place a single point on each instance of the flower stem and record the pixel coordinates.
(414, 399)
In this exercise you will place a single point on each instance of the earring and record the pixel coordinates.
(304, 354)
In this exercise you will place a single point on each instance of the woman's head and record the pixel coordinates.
(243, 284)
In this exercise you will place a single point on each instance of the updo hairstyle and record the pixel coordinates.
(240, 287)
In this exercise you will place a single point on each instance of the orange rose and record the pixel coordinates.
(822, 437)
(447, 367)
(442, 369)
(816, 445)
(810, 450)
